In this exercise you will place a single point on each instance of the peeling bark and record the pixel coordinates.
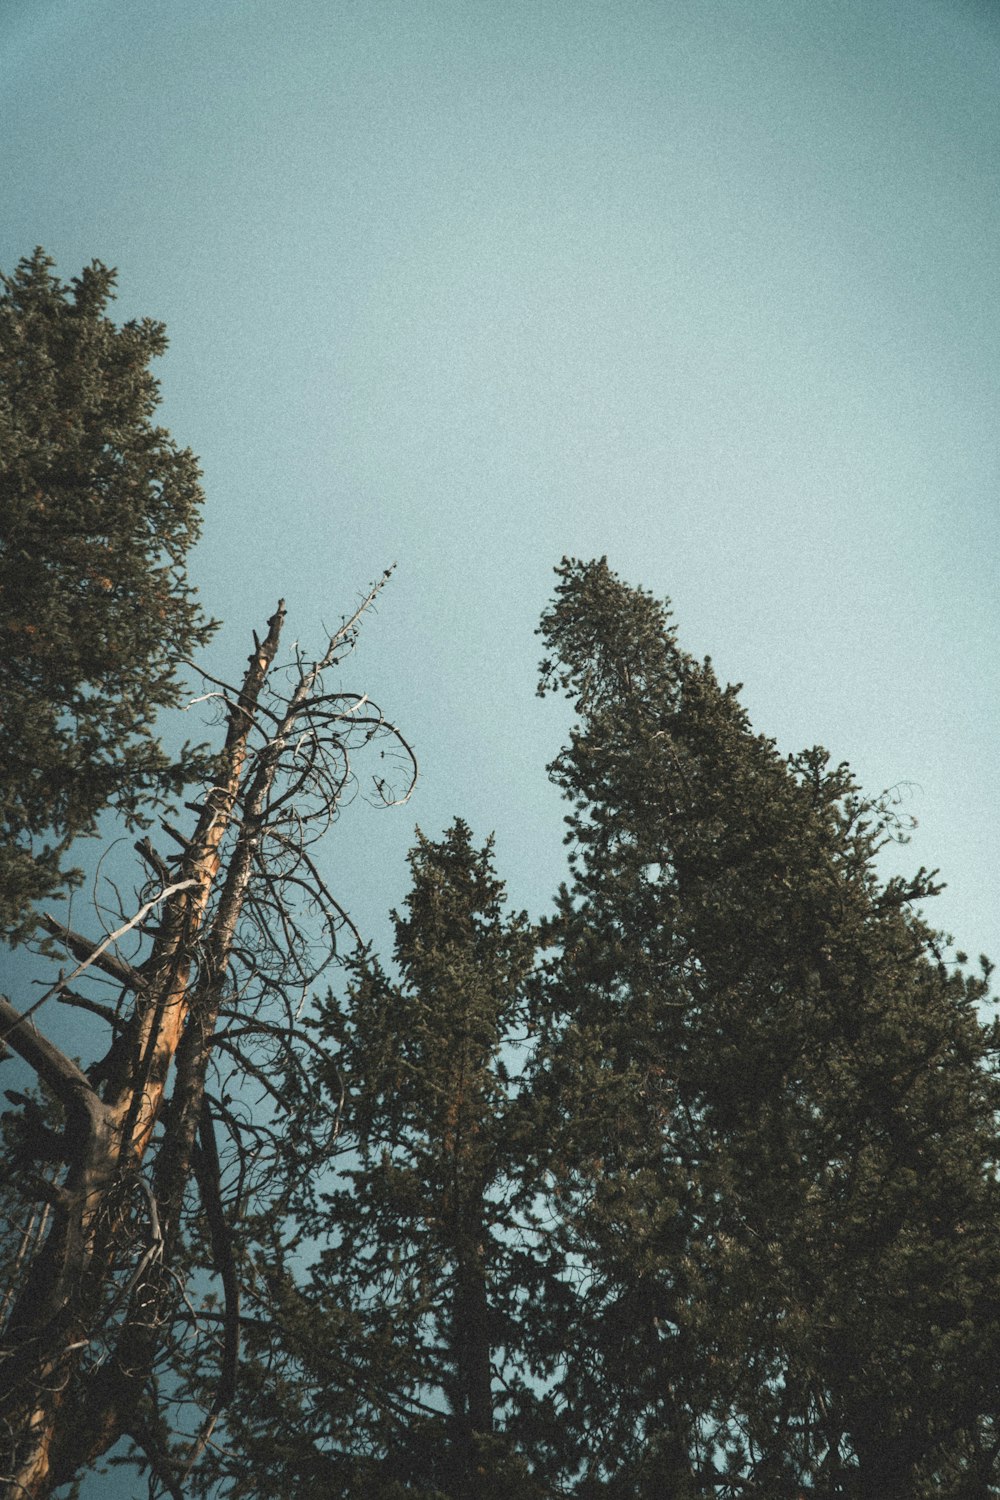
(99, 1295)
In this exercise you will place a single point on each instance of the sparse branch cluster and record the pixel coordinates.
(155, 1149)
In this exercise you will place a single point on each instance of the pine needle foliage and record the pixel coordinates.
(98, 508)
(775, 1101)
(387, 1368)
(730, 1226)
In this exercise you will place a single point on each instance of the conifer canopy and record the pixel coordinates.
(98, 509)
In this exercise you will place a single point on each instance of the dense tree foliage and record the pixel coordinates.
(393, 1370)
(776, 1105)
(734, 1219)
(98, 508)
(126, 1174)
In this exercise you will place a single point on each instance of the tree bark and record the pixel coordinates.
(61, 1415)
(472, 1355)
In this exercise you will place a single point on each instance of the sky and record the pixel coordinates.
(708, 286)
(711, 288)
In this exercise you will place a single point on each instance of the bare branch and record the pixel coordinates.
(83, 1002)
(86, 950)
(124, 973)
(52, 1066)
(244, 931)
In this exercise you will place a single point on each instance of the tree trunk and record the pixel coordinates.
(472, 1353)
(60, 1414)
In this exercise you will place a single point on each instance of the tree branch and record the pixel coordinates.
(90, 953)
(70, 1085)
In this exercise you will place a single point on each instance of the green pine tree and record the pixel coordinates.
(727, 1225)
(98, 508)
(773, 1103)
(399, 1353)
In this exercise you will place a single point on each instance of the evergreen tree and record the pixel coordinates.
(397, 1358)
(98, 508)
(728, 1224)
(773, 1102)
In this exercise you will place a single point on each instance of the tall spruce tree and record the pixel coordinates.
(98, 508)
(392, 1370)
(774, 1105)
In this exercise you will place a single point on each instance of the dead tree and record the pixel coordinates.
(129, 1177)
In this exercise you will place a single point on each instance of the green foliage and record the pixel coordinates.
(729, 1225)
(390, 1352)
(707, 1202)
(98, 508)
(777, 1105)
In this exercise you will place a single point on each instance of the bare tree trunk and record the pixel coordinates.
(101, 1295)
(56, 1427)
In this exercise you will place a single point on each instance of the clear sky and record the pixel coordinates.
(710, 286)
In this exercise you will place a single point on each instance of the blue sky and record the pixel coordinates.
(709, 287)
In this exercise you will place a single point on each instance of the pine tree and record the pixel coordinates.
(731, 1224)
(775, 1106)
(397, 1357)
(98, 508)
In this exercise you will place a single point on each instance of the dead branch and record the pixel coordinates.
(102, 1303)
(85, 950)
(70, 1085)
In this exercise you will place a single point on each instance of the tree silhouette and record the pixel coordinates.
(98, 508)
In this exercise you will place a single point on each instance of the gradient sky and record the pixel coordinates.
(709, 287)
